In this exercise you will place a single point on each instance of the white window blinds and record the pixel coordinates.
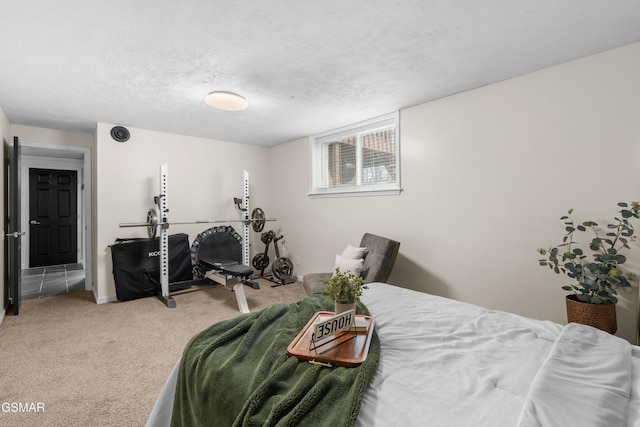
(359, 159)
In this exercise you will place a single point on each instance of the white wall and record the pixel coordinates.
(486, 175)
(38, 135)
(203, 178)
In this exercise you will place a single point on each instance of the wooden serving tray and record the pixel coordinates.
(348, 349)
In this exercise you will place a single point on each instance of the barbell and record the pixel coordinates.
(257, 222)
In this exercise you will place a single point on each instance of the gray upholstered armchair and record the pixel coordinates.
(380, 256)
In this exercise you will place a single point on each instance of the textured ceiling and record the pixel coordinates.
(304, 66)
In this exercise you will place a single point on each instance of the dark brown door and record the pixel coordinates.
(15, 235)
(53, 217)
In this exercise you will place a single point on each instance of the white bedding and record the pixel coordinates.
(446, 363)
(586, 370)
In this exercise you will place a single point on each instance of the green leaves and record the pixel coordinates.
(344, 287)
(626, 213)
(597, 272)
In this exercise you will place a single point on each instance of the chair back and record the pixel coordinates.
(379, 259)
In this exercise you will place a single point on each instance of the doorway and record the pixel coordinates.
(56, 206)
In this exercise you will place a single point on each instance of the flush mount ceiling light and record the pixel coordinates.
(227, 101)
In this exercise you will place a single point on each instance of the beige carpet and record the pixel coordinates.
(104, 365)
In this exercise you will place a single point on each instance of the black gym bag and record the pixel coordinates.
(136, 265)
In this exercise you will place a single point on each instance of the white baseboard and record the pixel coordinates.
(3, 315)
(103, 300)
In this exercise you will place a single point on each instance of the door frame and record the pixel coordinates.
(62, 157)
(34, 162)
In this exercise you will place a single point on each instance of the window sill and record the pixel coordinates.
(355, 193)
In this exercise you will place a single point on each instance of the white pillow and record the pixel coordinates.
(353, 252)
(348, 265)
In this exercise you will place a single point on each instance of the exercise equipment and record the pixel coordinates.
(136, 270)
(217, 254)
(258, 218)
(257, 221)
(162, 200)
(258, 224)
(282, 267)
(159, 219)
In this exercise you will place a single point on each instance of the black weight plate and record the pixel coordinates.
(260, 261)
(257, 220)
(282, 268)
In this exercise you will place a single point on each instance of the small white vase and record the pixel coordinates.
(341, 308)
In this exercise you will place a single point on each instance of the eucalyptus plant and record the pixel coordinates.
(595, 265)
(344, 288)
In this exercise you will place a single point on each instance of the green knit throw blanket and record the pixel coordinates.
(238, 373)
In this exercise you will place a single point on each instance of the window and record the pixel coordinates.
(361, 159)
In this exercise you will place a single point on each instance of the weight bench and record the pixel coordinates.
(230, 268)
(217, 253)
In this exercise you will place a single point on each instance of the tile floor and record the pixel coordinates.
(52, 280)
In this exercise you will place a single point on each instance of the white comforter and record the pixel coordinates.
(446, 363)
(588, 371)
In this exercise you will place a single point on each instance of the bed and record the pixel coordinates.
(447, 363)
